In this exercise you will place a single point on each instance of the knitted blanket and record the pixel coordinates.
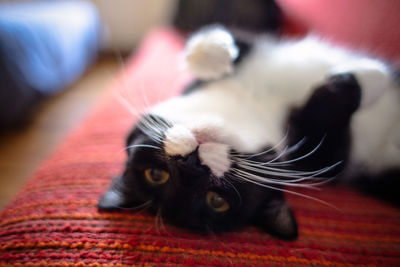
(54, 220)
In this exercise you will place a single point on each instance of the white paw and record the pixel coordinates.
(210, 53)
(373, 77)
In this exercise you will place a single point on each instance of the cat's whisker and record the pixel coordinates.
(264, 180)
(150, 134)
(301, 157)
(294, 177)
(124, 96)
(291, 192)
(157, 220)
(140, 145)
(163, 123)
(137, 106)
(308, 180)
(283, 152)
(160, 125)
(272, 148)
(161, 222)
(138, 208)
(292, 149)
(286, 151)
(235, 189)
(144, 96)
(218, 240)
(145, 125)
(286, 179)
(127, 104)
(296, 146)
(326, 181)
(272, 169)
(259, 168)
(149, 129)
(270, 173)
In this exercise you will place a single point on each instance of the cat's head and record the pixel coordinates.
(193, 178)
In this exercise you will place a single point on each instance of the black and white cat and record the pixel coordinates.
(264, 117)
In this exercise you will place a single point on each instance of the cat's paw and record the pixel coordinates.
(330, 106)
(210, 53)
(373, 77)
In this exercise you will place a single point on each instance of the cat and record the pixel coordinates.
(265, 115)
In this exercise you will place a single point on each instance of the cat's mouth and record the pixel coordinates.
(182, 141)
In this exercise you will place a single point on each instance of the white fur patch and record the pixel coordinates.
(208, 129)
(209, 53)
(179, 140)
(216, 157)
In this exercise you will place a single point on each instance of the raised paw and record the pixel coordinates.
(373, 77)
(344, 91)
(210, 53)
(332, 104)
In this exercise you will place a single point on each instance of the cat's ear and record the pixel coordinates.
(114, 197)
(277, 218)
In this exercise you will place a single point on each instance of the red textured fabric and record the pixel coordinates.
(54, 220)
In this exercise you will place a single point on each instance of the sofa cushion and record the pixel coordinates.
(54, 220)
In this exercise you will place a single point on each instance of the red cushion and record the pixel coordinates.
(54, 220)
(369, 25)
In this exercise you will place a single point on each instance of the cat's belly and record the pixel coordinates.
(248, 121)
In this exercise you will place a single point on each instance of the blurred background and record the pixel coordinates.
(58, 57)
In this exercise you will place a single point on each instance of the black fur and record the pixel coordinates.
(384, 186)
(182, 199)
(326, 117)
(251, 15)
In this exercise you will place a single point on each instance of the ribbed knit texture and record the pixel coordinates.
(54, 220)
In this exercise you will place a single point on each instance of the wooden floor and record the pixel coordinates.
(22, 150)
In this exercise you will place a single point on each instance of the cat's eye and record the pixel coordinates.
(156, 176)
(216, 202)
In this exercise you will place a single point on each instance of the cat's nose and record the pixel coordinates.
(191, 169)
(192, 160)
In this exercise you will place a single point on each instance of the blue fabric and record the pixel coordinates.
(44, 46)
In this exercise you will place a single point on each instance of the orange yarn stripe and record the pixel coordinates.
(166, 249)
(53, 203)
(71, 216)
(348, 236)
(66, 264)
(114, 216)
(311, 220)
(364, 225)
(61, 185)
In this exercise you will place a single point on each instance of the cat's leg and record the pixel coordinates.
(385, 185)
(323, 123)
(212, 53)
(353, 85)
(373, 76)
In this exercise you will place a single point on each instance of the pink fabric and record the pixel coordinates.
(370, 25)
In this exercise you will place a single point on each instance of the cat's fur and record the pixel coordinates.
(264, 117)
